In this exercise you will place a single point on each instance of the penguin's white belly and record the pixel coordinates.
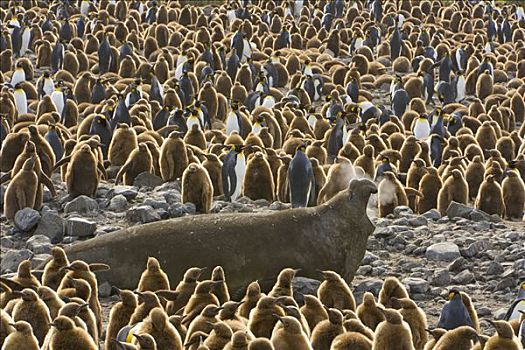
(268, 102)
(192, 121)
(58, 100)
(246, 51)
(18, 76)
(311, 120)
(240, 169)
(421, 130)
(21, 102)
(48, 87)
(460, 88)
(232, 124)
(317, 96)
(26, 37)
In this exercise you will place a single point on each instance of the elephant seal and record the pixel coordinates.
(249, 246)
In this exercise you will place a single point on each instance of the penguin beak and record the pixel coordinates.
(277, 317)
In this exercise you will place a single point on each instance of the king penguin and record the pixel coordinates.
(421, 129)
(20, 99)
(233, 169)
(301, 179)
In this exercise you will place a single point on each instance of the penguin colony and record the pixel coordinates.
(274, 100)
(61, 311)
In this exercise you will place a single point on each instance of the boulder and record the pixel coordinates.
(81, 204)
(80, 227)
(26, 219)
(445, 251)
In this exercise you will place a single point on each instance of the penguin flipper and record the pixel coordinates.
(121, 172)
(62, 161)
(6, 177)
(510, 311)
(101, 168)
(312, 198)
(49, 184)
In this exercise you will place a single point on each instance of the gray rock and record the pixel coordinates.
(118, 203)
(479, 215)
(189, 208)
(52, 226)
(69, 239)
(176, 210)
(464, 277)
(7, 242)
(12, 258)
(500, 313)
(142, 214)
(39, 244)
(2, 194)
(458, 265)
(505, 283)
(80, 227)
(441, 278)
(278, 206)
(81, 204)
(418, 221)
(39, 259)
(104, 290)
(364, 270)
(370, 285)
(217, 206)
(130, 192)
(402, 210)
(484, 311)
(303, 285)
(432, 214)
(446, 251)
(475, 248)
(416, 285)
(456, 209)
(26, 219)
(146, 179)
(172, 196)
(156, 204)
(109, 228)
(261, 202)
(495, 268)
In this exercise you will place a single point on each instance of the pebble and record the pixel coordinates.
(118, 203)
(475, 248)
(441, 278)
(432, 214)
(80, 227)
(39, 244)
(371, 285)
(464, 277)
(148, 180)
(130, 192)
(279, 206)
(457, 265)
(81, 204)
(416, 285)
(156, 204)
(26, 219)
(104, 290)
(12, 258)
(418, 221)
(7, 242)
(142, 214)
(51, 225)
(172, 196)
(446, 251)
(39, 260)
(456, 209)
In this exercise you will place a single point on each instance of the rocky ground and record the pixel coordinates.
(467, 249)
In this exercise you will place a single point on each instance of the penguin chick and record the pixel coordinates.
(461, 338)
(204, 322)
(22, 338)
(53, 271)
(455, 188)
(391, 288)
(351, 340)
(221, 289)
(261, 344)
(262, 321)
(283, 286)
(369, 313)
(146, 341)
(119, 316)
(290, 336)
(153, 278)
(200, 298)
(504, 337)
(67, 336)
(252, 296)
(325, 332)
(185, 289)
(390, 194)
(436, 334)
(313, 311)
(220, 336)
(34, 311)
(197, 188)
(239, 341)
(334, 292)
(158, 326)
(393, 333)
(416, 319)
